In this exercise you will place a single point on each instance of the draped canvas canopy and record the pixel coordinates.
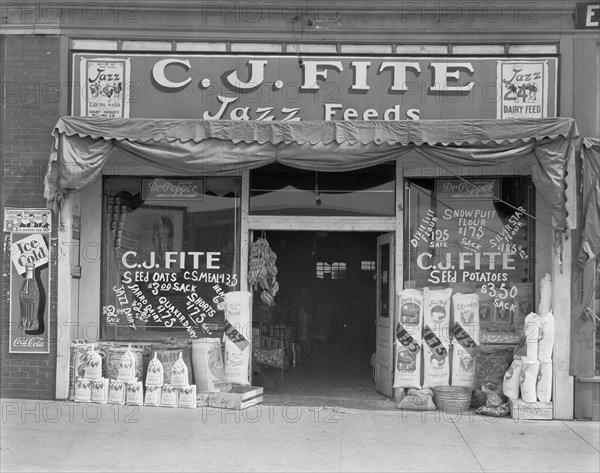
(81, 147)
(590, 235)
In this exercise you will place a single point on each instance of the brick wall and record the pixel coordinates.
(31, 93)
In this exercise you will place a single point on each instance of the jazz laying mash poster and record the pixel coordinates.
(29, 293)
(104, 87)
(523, 89)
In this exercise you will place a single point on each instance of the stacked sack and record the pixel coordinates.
(178, 392)
(92, 386)
(426, 335)
(113, 389)
(79, 361)
(238, 321)
(436, 337)
(208, 366)
(168, 353)
(219, 364)
(530, 377)
(126, 386)
(407, 371)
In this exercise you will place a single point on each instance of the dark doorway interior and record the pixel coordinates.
(332, 275)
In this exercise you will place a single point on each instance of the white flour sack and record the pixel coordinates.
(436, 311)
(544, 382)
(127, 366)
(153, 395)
(465, 309)
(410, 316)
(463, 366)
(532, 335)
(83, 390)
(436, 360)
(209, 370)
(436, 367)
(511, 385)
(93, 370)
(179, 373)
(529, 375)
(546, 340)
(238, 311)
(155, 373)
(236, 363)
(407, 372)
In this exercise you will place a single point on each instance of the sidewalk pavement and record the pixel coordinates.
(285, 436)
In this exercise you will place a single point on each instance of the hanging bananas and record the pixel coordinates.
(262, 270)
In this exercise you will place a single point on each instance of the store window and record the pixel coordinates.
(336, 270)
(169, 250)
(367, 265)
(282, 190)
(475, 236)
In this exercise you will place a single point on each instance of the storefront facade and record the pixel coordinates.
(174, 154)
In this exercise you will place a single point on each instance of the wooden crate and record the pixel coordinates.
(240, 397)
(526, 411)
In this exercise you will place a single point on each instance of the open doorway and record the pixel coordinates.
(327, 294)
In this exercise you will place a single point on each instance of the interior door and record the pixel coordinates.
(384, 338)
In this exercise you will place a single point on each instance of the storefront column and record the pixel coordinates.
(64, 288)
(561, 303)
(244, 230)
(399, 256)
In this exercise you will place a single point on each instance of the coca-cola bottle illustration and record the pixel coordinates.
(29, 299)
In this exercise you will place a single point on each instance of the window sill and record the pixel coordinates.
(588, 379)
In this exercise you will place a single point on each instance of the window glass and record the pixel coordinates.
(475, 236)
(169, 252)
(336, 270)
(367, 265)
(281, 190)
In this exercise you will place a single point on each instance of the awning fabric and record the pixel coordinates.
(590, 235)
(82, 146)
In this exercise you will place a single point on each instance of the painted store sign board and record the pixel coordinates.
(587, 15)
(235, 87)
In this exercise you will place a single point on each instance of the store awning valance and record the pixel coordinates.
(82, 146)
(590, 235)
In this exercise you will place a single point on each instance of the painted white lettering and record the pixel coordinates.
(360, 75)
(312, 72)
(158, 73)
(330, 110)
(257, 76)
(442, 71)
(399, 73)
(592, 11)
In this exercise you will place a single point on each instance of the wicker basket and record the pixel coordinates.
(456, 398)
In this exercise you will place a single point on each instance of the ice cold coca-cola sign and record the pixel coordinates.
(29, 249)
(28, 342)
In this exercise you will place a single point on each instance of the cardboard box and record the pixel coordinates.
(240, 397)
(526, 411)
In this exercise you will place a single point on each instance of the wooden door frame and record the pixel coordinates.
(251, 223)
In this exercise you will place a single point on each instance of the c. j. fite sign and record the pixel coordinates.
(232, 87)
